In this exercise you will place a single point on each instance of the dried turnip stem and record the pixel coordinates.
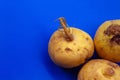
(64, 25)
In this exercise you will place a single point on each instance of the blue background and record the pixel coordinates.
(25, 29)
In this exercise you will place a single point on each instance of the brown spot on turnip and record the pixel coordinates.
(78, 49)
(95, 79)
(58, 49)
(87, 38)
(115, 39)
(101, 48)
(74, 43)
(113, 30)
(86, 50)
(60, 36)
(68, 50)
(108, 72)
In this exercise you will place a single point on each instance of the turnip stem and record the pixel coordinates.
(64, 25)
